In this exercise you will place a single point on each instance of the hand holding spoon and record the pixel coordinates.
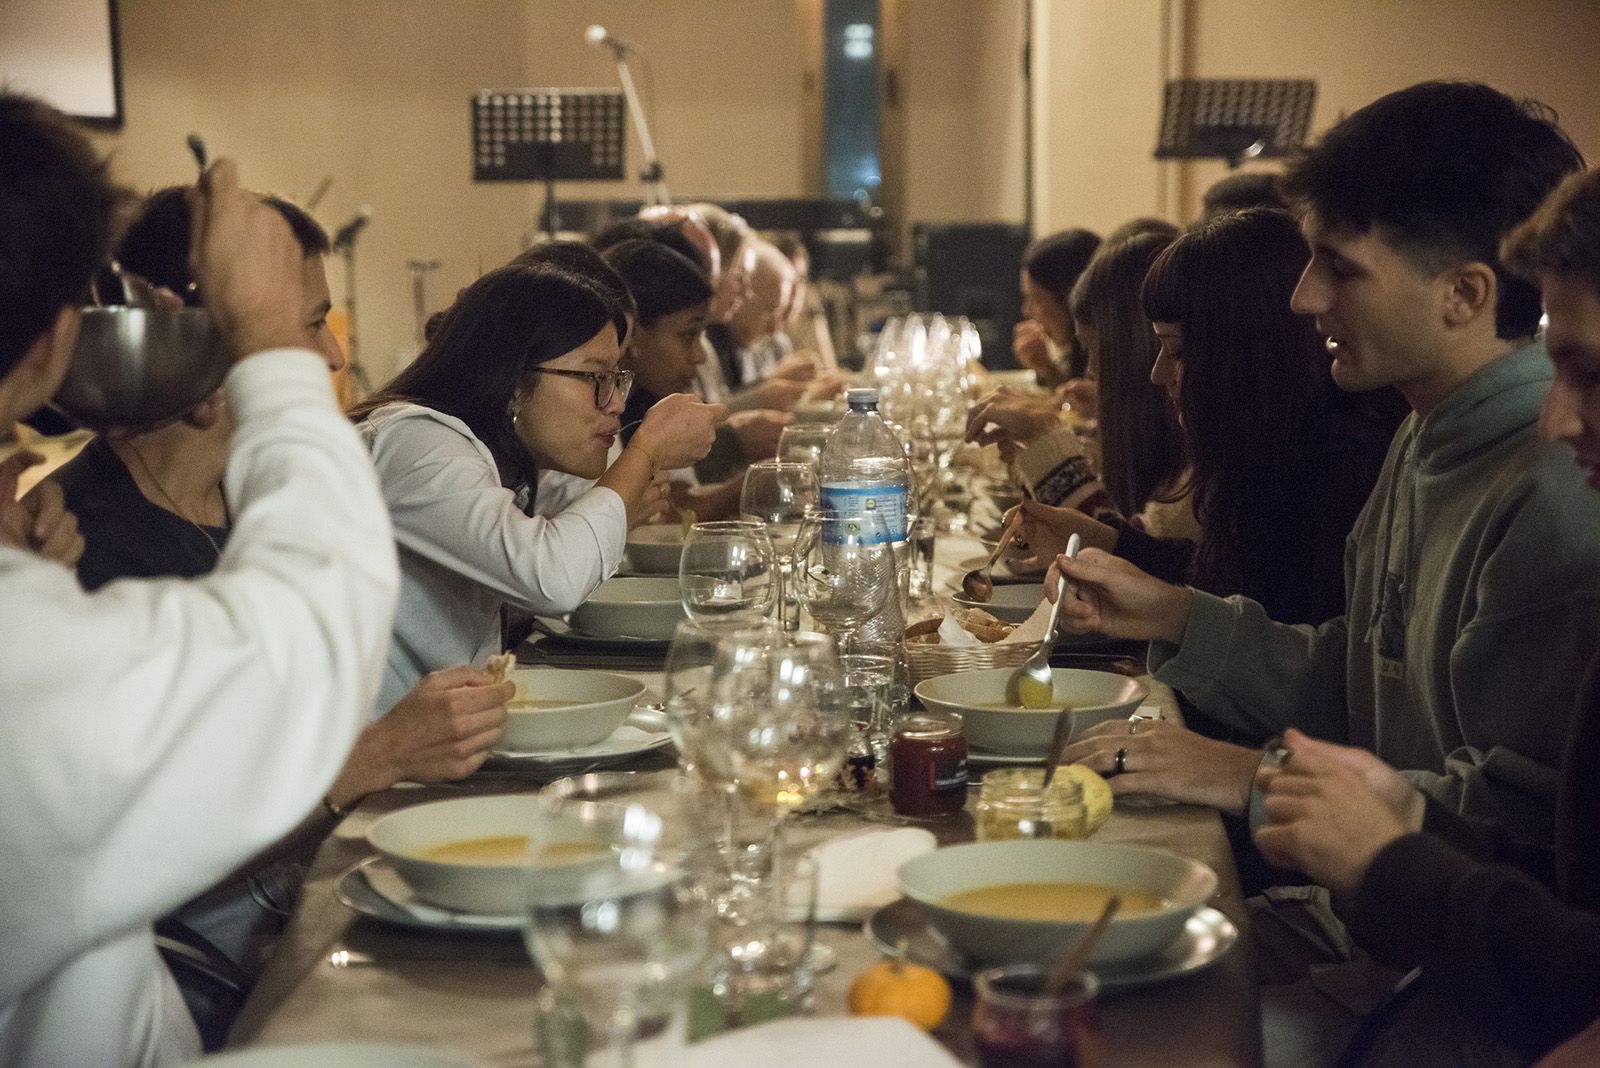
(978, 584)
(1032, 685)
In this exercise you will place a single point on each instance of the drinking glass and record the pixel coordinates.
(618, 916)
(803, 443)
(764, 960)
(686, 689)
(727, 571)
(846, 572)
(779, 494)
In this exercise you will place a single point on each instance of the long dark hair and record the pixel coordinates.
(1141, 446)
(1268, 432)
(1054, 262)
(510, 320)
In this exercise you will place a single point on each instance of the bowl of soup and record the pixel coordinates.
(995, 724)
(559, 708)
(471, 854)
(1026, 901)
(642, 607)
(656, 548)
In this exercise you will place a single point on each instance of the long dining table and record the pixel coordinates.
(339, 976)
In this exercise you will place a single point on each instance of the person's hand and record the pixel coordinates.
(1046, 528)
(1331, 809)
(1006, 415)
(1032, 348)
(39, 522)
(824, 387)
(1118, 600)
(759, 429)
(441, 731)
(1082, 395)
(796, 366)
(1167, 760)
(678, 430)
(248, 265)
(781, 394)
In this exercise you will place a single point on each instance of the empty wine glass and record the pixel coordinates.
(846, 572)
(727, 571)
(803, 442)
(779, 494)
(686, 688)
(618, 916)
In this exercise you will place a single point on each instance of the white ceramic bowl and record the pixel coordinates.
(631, 608)
(1094, 696)
(1183, 884)
(598, 702)
(1012, 602)
(490, 890)
(656, 549)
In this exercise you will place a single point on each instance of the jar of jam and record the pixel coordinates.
(1014, 804)
(1015, 1023)
(928, 765)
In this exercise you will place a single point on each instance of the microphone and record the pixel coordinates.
(345, 236)
(598, 36)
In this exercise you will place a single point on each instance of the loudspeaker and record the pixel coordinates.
(971, 269)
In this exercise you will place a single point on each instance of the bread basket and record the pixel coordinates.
(928, 661)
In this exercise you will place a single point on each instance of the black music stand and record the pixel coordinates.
(547, 135)
(1234, 119)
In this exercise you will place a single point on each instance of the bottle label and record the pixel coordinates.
(888, 503)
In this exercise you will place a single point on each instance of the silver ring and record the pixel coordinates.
(1133, 728)
(1121, 764)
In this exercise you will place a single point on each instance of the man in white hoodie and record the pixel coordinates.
(155, 735)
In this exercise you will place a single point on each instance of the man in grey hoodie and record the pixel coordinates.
(1473, 573)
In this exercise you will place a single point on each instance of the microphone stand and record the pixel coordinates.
(345, 244)
(655, 186)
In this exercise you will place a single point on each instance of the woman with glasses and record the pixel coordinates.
(519, 378)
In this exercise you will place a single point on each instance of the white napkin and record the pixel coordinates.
(953, 633)
(885, 1040)
(856, 874)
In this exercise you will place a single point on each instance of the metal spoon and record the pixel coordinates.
(978, 584)
(1035, 674)
(1078, 955)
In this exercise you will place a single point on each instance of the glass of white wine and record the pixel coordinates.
(728, 571)
(780, 494)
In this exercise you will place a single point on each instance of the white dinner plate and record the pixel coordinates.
(644, 731)
(563, 632)
(375, 889)
(1206, 939)
(340, 1055)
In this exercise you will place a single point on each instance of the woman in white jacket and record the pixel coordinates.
(520, 376)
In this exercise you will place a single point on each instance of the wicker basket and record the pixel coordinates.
(927, 661)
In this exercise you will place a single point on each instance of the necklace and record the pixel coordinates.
(172, 504)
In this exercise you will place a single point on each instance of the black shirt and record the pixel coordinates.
(124, 534)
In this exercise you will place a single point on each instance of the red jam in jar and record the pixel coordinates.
(928, 765)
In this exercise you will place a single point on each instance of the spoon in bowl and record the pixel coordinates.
(1070, 965)
(1032, 685)
(978, 584)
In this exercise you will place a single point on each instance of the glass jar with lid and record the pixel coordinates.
(1014, 804)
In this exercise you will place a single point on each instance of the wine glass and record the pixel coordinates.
(779, 494)
(727, 571)
(686, 689)
(618, 916)
(847, 570)
(803, 443)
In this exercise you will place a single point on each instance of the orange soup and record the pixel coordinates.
(1069, 902)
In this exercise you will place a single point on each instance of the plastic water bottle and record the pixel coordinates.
(864, 468)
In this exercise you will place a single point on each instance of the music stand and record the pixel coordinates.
(1234, 119)
(547, 135)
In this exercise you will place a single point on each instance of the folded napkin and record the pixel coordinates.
(856, 874)
(886, 1040)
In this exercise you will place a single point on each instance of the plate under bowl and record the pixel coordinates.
(1094, 696)
(1182, 884)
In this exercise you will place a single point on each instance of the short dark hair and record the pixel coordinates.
(57, 205)
(1143, 224)
(156, 244)
(662, 281)
(1056, 261)
(1442, 171)
(583, 261)
(1563, 236)
(487, 343)
(1256, 189)
(669, 234)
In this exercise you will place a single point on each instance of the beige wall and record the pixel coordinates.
(1098, 87)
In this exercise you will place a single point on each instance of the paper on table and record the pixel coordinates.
(885, 1040)
(857, 874)
(1030, 630)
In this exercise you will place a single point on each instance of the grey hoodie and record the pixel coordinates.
(1472, 583)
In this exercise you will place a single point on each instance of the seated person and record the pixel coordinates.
(158, 734)
(1044, 341)
(1236, 192)
(1510, 952)
(520, 377)
(804, 324)
(151, 505)
(1473, 575)
(1281, 459)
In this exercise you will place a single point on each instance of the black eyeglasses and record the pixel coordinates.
(607, 384)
